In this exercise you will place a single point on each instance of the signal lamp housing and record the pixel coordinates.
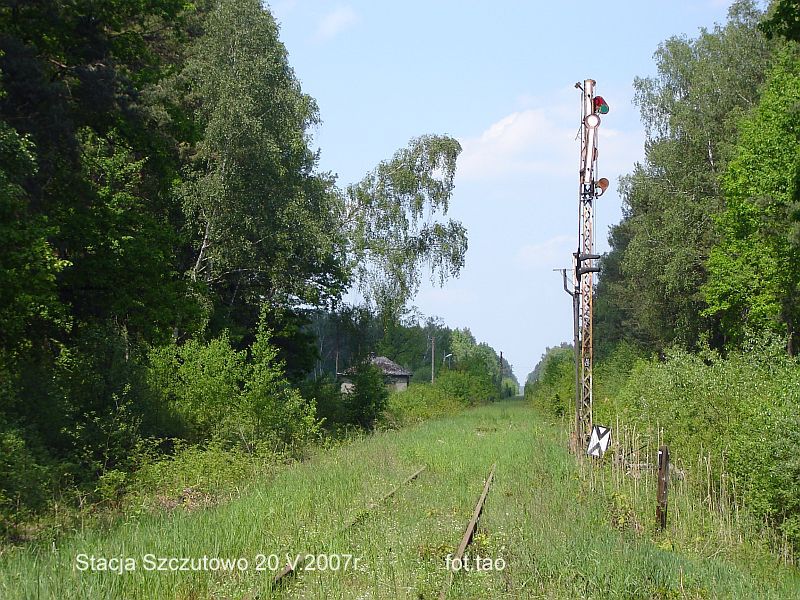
(600, 105)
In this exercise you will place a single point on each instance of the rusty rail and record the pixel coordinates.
(289, 568)
(469, 533)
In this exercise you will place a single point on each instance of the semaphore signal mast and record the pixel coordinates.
(589, 190)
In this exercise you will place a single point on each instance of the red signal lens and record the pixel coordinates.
(600, 105)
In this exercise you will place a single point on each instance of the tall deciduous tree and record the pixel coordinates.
(391, 227)
(29, 305)
(158, 187)
(690, 110)
(783, 20)
(754, 278)
(259, 217)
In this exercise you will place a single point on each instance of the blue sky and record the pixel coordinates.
(498, 77)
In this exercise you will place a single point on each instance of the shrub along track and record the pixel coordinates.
(552, 529)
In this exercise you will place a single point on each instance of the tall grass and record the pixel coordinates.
(556, 524)
(732, 424)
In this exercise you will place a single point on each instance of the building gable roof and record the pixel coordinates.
(388, 367)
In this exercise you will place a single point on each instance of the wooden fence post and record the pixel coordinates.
(663, 481)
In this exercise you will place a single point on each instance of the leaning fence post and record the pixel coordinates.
(663, 480)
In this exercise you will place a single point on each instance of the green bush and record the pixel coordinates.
(367, 400)
(200, 383)
(25, 482)
(450, 393)
(193, 475)
(612, 373)
(327, 395)
(272, 411)
(743, 411)
(471, 389)
(420, 402)
(221, 394)
(70, 422)
(554, 388)
(93, 403)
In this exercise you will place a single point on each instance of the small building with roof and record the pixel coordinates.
(396, 377)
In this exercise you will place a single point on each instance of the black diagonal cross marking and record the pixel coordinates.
(602, 434)
(595, 448)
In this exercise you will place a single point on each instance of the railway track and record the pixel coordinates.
(466, 539)
(290, 567)
(469, 533)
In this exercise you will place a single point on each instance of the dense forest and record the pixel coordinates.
(173, 263)
(707, 249)
(697, 302)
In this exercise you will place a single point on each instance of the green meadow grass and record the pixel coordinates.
(564, 531)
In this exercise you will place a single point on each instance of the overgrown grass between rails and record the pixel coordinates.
(555, 524)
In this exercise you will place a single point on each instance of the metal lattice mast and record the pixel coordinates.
(589, 190)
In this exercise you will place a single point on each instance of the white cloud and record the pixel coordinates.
(335, 22)
(541, 139)
(549, 254)
(529, 141)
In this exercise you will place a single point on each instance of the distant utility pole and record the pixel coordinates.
(433, 355)
(589, 190)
